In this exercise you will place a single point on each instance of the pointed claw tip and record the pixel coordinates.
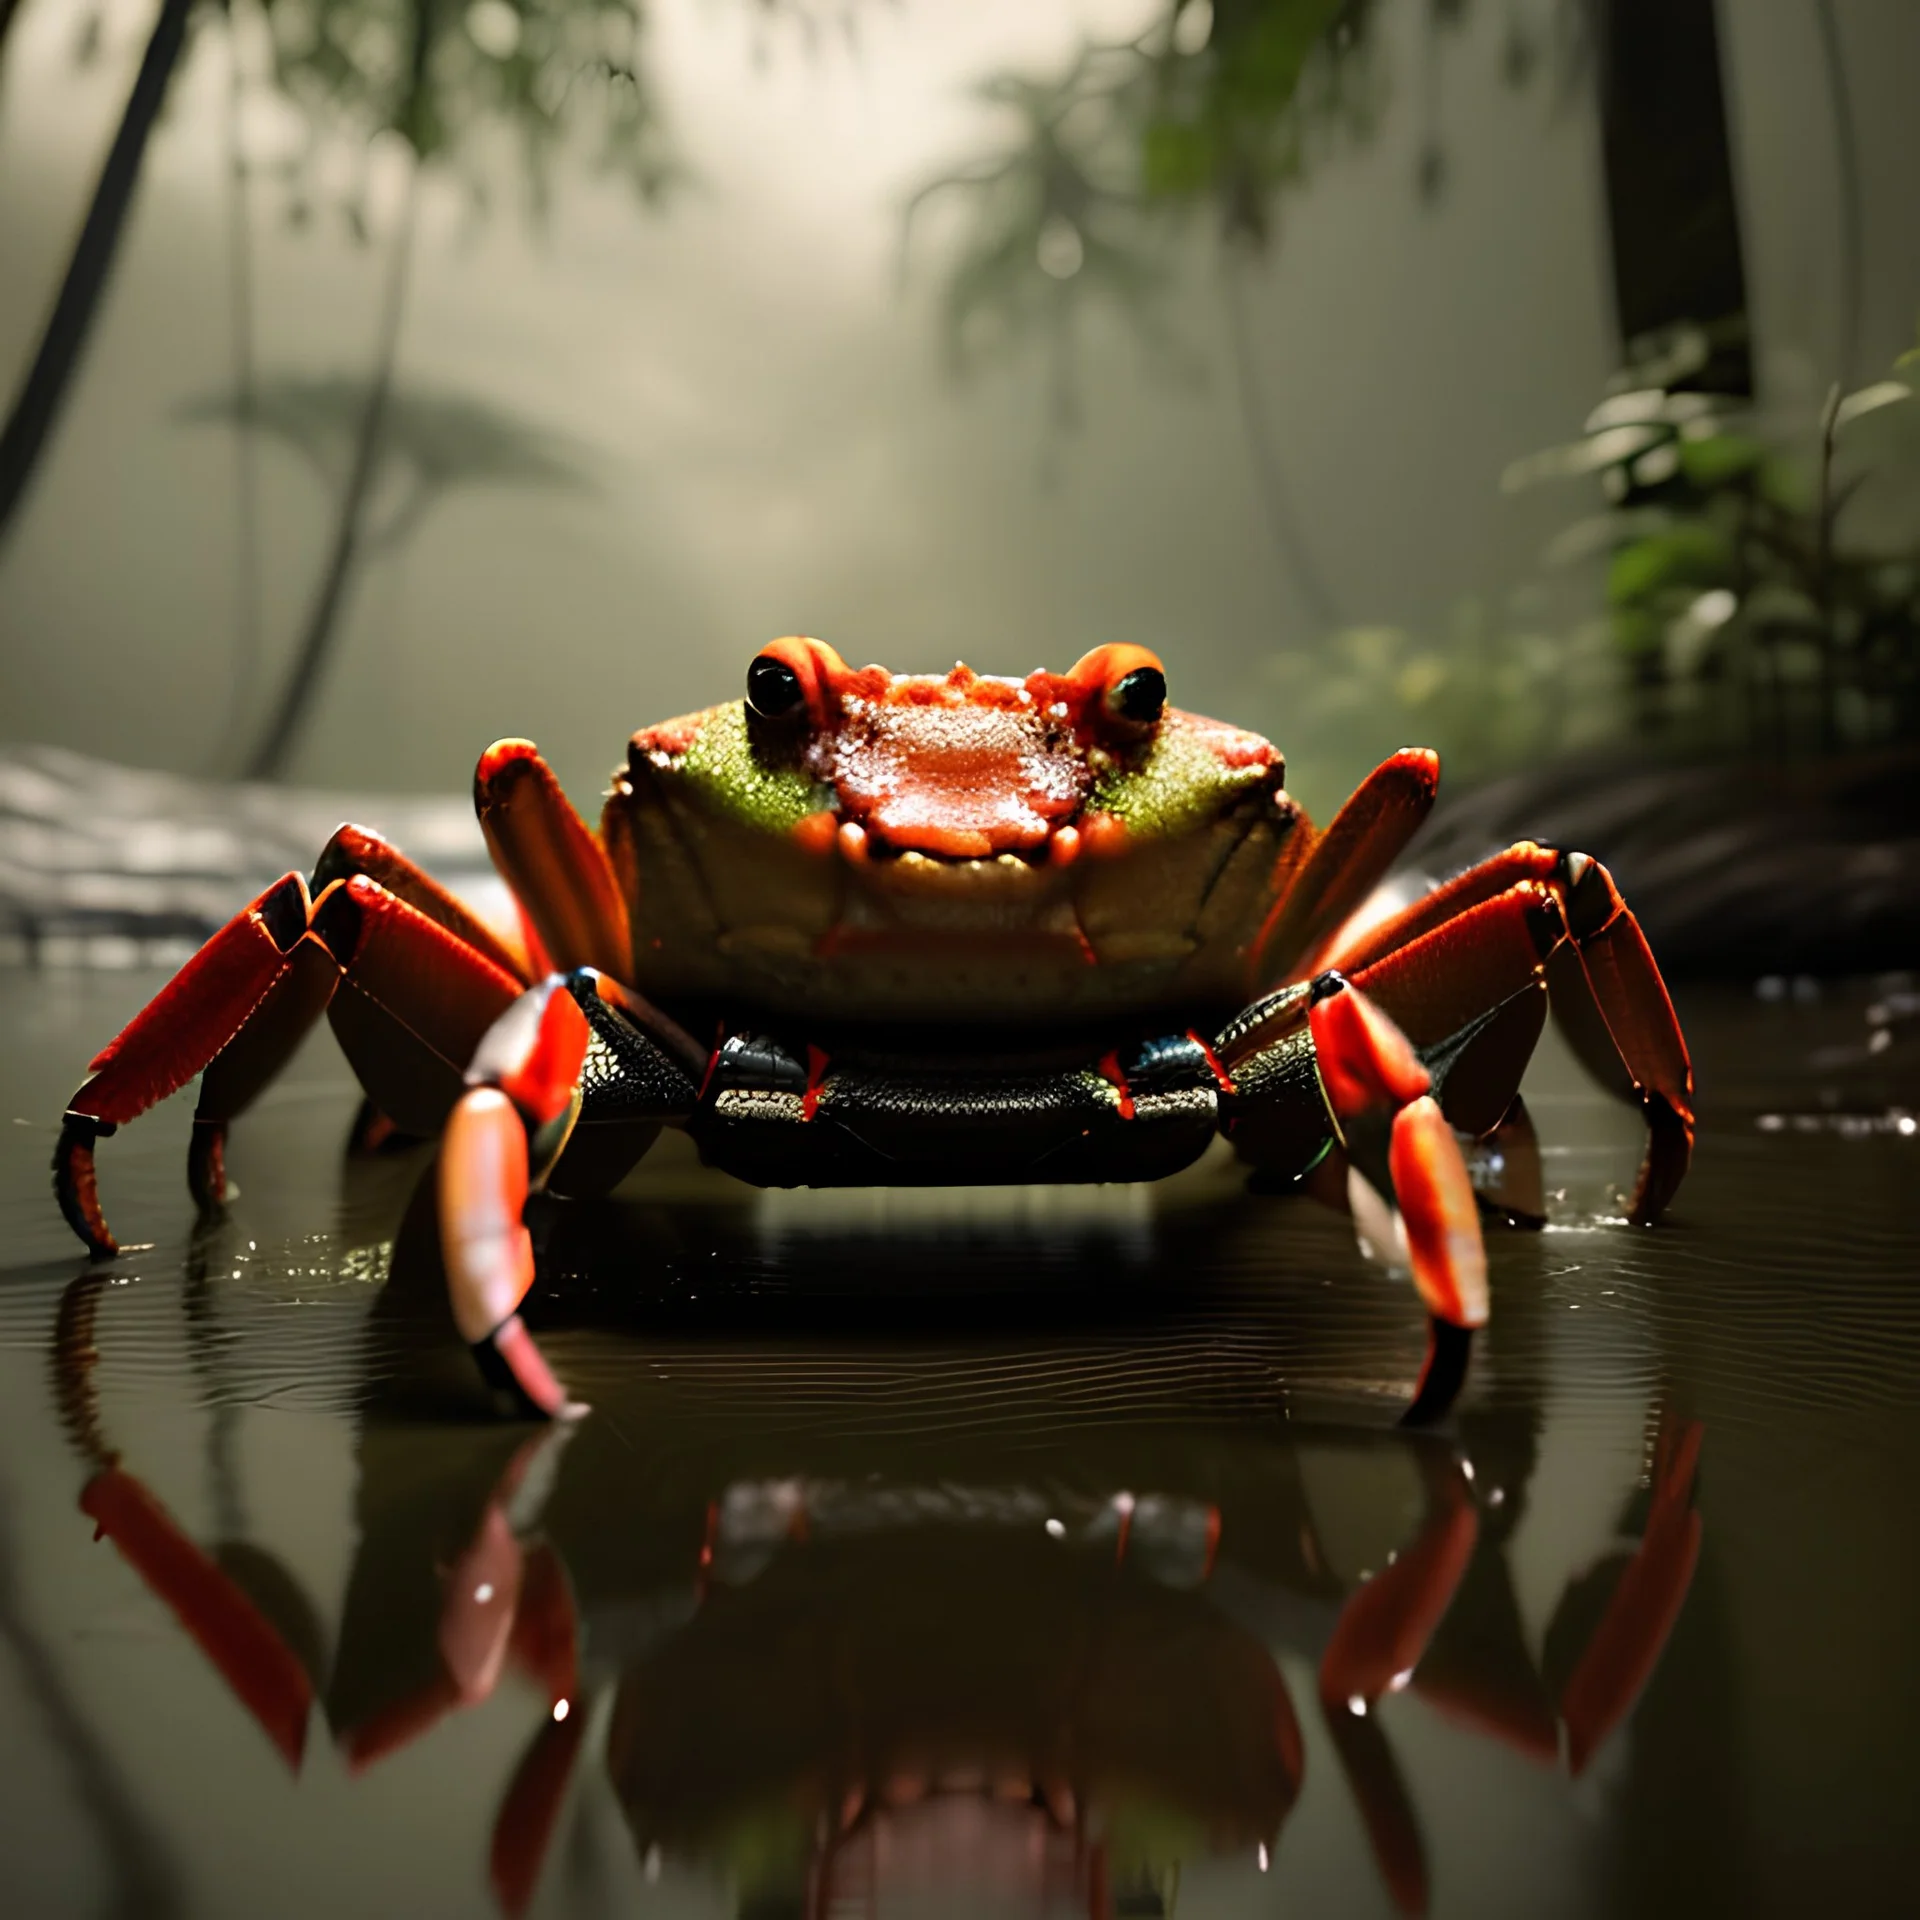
(75, 1187)
(1443, 1375)
(514, 1365)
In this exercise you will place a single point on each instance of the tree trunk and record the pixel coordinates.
(246, 478)
(25, 435)
(1671, 207)
(269, 757)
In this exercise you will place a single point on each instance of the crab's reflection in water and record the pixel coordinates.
(847, 1627)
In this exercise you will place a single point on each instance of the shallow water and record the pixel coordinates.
(990, 1553)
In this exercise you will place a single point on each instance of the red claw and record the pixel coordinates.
(487, 1249)
(1365, 1060)
(1444, 1247)
(1369, 1071)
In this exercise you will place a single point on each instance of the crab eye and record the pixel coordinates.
(1139, 697)
(773, 688)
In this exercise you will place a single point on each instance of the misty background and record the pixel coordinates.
(633, 435)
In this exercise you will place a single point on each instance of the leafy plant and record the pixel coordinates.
(1496, 690)
(1763, 578)
(449, 80)
(1213, 107)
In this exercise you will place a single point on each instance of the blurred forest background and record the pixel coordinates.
(1530, 378)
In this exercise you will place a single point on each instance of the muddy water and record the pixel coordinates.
(987, 1554)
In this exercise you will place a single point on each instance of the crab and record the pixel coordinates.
(860, 928)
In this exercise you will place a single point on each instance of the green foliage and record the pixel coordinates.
(1690, 554)
(1495, 691)
(1213, 108)
(1763, 579)
(444, 77)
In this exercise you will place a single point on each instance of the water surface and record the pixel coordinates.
(952, 1554)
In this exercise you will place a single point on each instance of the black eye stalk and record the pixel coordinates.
(773, 688)
(1139, 697)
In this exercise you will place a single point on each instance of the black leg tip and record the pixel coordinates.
(1444, 1374)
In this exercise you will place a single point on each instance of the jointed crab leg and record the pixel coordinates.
(1626, 1645)
(1620, 971)
(182, 1028)
(354, 850)
(1399, 1143)
(1378, 1641)
(554, 863)
(1429, 962)
(510, 1125)
(263, 1672)
(523, 1826)
(1347, 861)
(409, 1000)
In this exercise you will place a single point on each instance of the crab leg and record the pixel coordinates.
(1347, 861)
(1378, 1641)
(408, 999)
(1619, 970)
(354, 850)
(1403, 1153)
(502, 1605)
(1445, 958)
(545, 1645)
(244, 1647)
(523, 1827)
(1620, 1657)
(521, 1096)
(188, 1022)
(554, 863)
(257, 1664)
(413, 1003)
(1383, 1630)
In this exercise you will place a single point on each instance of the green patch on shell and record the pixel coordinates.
(722, 769)
(1179, 784)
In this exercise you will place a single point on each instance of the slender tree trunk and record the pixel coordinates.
(269, 757)
(24, 437)
(1672, 211)
(246, 514)
(1296, 557)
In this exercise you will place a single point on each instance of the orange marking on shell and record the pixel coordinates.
(1222, 1078)
(1436, 1201)
(1103, 835)
(1110, 1070)
(671, 737)
(816, 831)
(1364, 1059)
(936, 769)
(816, 1073)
